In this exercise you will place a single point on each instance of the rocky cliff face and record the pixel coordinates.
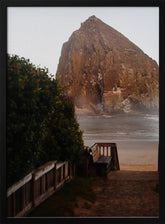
(105, 72)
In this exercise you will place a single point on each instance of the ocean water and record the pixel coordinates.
(116, 128)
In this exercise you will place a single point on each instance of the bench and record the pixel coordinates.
(105, 157)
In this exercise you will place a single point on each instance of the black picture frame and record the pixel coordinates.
(3, 64)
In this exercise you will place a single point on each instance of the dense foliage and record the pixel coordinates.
(41, 123)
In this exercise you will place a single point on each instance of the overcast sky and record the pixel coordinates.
(38, 33)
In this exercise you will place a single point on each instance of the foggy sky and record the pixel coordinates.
(38, 33)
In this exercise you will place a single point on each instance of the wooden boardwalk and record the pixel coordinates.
(119, 194)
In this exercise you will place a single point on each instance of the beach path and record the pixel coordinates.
(122, 194)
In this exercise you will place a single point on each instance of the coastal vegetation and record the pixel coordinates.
(41, 123)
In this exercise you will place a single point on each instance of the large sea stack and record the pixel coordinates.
(105, 72)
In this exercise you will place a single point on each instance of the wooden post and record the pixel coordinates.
(23, 197)
(98, 150)
(33, 189)
(101, 150)
(70, 170)
(107, 150)
(115, 158)
(14, 205)
(46, 181)
(62, 167)
(55, 176)
(66, 169)
(43, 184)
(104, 151)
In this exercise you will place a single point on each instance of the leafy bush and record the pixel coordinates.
(41, 124)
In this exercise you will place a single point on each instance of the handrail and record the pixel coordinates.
(41, 183)
(34, 188)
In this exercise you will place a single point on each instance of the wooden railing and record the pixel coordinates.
(37, 186)
(106, 149)
(41, 183)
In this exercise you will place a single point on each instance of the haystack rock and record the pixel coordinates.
(105, 72)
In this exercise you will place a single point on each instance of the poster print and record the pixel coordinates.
(83, 112)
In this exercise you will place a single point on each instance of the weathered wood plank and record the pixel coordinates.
(33, 189)
(104, 159)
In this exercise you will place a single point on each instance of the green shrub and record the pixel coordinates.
(41, 124)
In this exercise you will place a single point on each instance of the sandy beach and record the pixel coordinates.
(132, 189)
(141, 155)
(138, 155)
(138, 167)
(136, 136)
